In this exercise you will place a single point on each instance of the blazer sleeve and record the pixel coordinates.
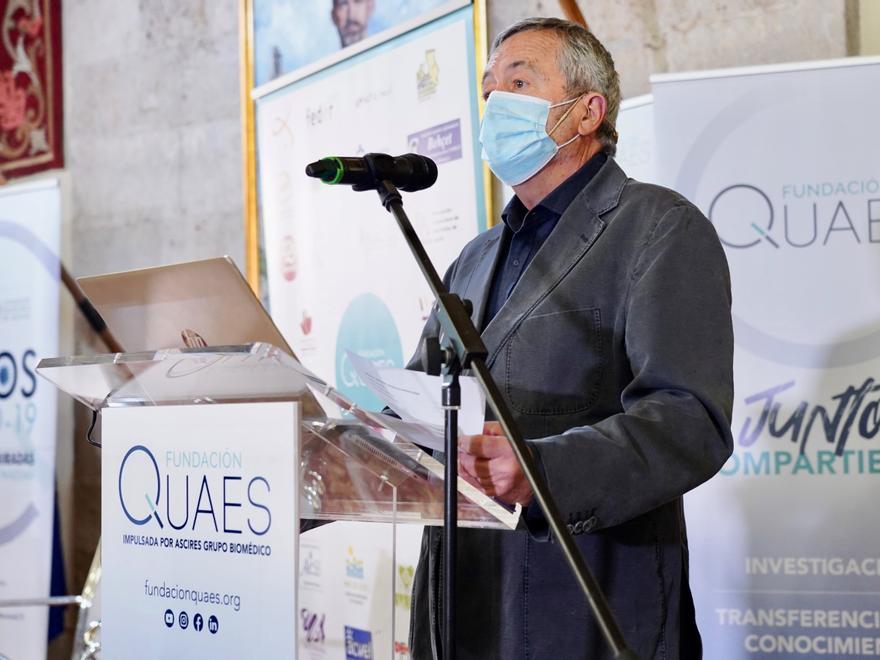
(674, 429)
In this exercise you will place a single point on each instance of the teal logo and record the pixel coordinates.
(368, 330)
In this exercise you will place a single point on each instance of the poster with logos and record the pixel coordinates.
(30, 226)
(198, 531)
(340, 275)
(785, 549)
(355, 590)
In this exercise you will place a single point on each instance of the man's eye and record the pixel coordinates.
(519, 84)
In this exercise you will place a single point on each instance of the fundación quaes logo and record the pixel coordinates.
(797, 251)
(808, 215)
(799, 238)
(194, 491)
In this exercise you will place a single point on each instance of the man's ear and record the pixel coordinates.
(595, 114)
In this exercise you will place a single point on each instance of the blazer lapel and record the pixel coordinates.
(577, 230)
(478, 284)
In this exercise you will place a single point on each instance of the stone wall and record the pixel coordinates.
(660, 36)
(153, 175)
(153, 131)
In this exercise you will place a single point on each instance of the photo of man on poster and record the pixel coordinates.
(293, 34)
(350, 18)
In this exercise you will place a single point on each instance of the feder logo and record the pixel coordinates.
(193, 491)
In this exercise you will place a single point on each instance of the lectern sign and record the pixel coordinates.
(198, 530)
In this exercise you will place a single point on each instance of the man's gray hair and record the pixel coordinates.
(586, 65)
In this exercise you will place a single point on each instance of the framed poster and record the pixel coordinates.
(333, 268)
(338, 273)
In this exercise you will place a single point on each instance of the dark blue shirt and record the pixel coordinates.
(525, 232)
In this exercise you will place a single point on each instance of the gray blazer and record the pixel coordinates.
(615, 353)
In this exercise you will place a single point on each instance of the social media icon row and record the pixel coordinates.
(198, 621)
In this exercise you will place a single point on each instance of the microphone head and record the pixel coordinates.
(422, 172)
(410, 172)
(329, 170)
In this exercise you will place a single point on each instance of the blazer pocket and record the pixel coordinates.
(555, 361)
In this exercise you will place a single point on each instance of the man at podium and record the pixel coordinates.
(605, 306)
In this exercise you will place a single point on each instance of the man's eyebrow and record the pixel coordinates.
(517, 64)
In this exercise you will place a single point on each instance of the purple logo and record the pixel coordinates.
(312, 626)
(442, 143)
(358, 644)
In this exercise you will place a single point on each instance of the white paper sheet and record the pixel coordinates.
(415, 396)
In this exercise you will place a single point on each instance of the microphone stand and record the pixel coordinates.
(463, 348)
(91, 315)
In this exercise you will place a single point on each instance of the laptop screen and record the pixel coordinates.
(193, 304)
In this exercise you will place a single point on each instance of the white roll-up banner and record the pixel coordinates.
(30, 220)
(785, 161)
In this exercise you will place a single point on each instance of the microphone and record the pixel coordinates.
(409, 172)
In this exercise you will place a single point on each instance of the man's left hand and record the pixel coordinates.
(487, 462)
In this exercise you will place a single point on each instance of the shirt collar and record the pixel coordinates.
(515, 215)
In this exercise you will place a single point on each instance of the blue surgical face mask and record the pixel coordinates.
(516, 143)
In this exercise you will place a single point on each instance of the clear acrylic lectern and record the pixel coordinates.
(352, 464)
